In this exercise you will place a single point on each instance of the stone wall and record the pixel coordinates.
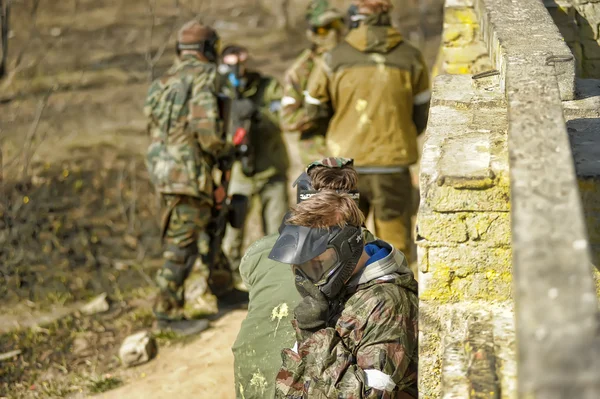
(463, 51)
(494, 249)
(579, 22)
(463, 237)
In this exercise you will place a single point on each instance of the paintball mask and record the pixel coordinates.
(233, 67)
(325, 257)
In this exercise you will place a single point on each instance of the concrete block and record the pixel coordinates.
(487, 228)
(467, 272)
(460, 15)
(465, 162)
(138, 349)
(442, 227)
(465, 54)
(459, 35)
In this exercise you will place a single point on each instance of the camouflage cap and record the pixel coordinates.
(320, 13)
(331, 162)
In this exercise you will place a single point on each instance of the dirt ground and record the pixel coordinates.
(78, 216)
(202, 368)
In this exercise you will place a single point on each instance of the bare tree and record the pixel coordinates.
(4, 14)
(152, 59)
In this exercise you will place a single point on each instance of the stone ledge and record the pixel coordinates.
(508, 28)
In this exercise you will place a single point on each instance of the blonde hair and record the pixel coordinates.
(326, 209)
(326, 178)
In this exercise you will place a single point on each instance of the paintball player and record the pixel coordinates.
(356, 326)
(267, 330)
(378, 87)
(187, 142)
(262, 170)
(325, 29)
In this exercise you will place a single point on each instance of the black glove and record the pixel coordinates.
(311, 313)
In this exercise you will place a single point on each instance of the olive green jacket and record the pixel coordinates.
(378, 87)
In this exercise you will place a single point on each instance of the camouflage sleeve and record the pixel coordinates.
(316, 96)
(152, 97)
(323, 367)
(293, 112)
(421, 94)
(204, 119)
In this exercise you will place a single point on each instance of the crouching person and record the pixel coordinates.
(356, 326)
(267, 328)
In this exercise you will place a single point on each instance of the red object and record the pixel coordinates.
(239, 136)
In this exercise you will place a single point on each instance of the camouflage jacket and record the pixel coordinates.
(293, 111)
(372, 350)
(265, 92)
(186, 129)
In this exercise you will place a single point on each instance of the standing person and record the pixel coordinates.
(267, 330)
(187, 142)
(325, 29)
(378, 87)
(356, 326)
(263, 170)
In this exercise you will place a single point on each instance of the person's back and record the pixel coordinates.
(373, 79)
(266, 329)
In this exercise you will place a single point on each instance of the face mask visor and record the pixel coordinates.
(319, 269)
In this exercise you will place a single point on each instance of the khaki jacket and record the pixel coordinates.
(375, 82)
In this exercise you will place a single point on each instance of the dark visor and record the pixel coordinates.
(299, 244)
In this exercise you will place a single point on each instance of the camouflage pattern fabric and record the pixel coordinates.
(389, 196)
(267, 329)
(293, 111)
(376, 334)
(320, 13)
(185, 218)
(331, 162)
(185, 127)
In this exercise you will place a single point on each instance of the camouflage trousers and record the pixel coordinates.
(312, 149)
(389, 197)
(185, 227)
(273, 194)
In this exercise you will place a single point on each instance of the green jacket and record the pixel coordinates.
(267, 328)
(378, 87)
(186, 129)
(265, 134)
